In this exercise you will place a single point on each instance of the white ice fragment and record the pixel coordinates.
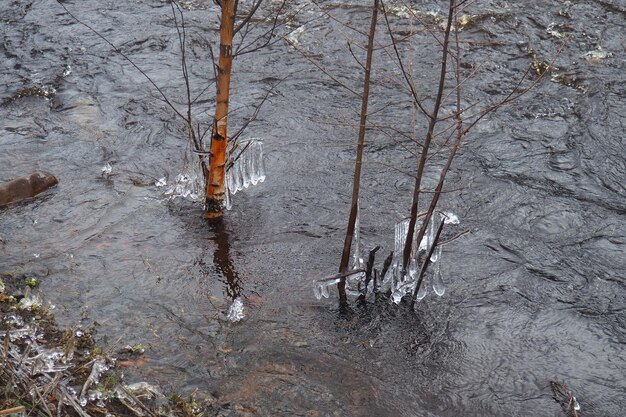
(235, 312)
(161, 182)
(145, 389)
(554, 30)
(320, 288)
(13, 319)
(67, 71)
(401, 291)
(576, 404)
(106, 169)
(48, 362)
(450, 218)
(187, 185)
(36, 255)
(294, 37)
(99, 366)
(79, 333)
(29, 302)
(597, 55)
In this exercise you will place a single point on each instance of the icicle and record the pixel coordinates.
(227, 180)
(245, 159)
(402, 229)
(239, 174)
(357, 260)
(230, 180)
(438, 285)
(422, 292)
(260, 166)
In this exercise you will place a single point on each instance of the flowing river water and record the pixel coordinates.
(536, 286)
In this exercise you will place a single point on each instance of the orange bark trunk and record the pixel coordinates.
(219, 139)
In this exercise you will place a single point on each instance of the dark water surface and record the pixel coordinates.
(536, 288)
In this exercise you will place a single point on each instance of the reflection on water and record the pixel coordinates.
(222, 259)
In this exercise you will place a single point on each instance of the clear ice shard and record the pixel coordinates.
(188, 184)
(321, 288)
(317, 290)
(324, 291)
(106, 169)
(450, 218)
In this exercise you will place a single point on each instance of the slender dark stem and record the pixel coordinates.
(347, 245)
